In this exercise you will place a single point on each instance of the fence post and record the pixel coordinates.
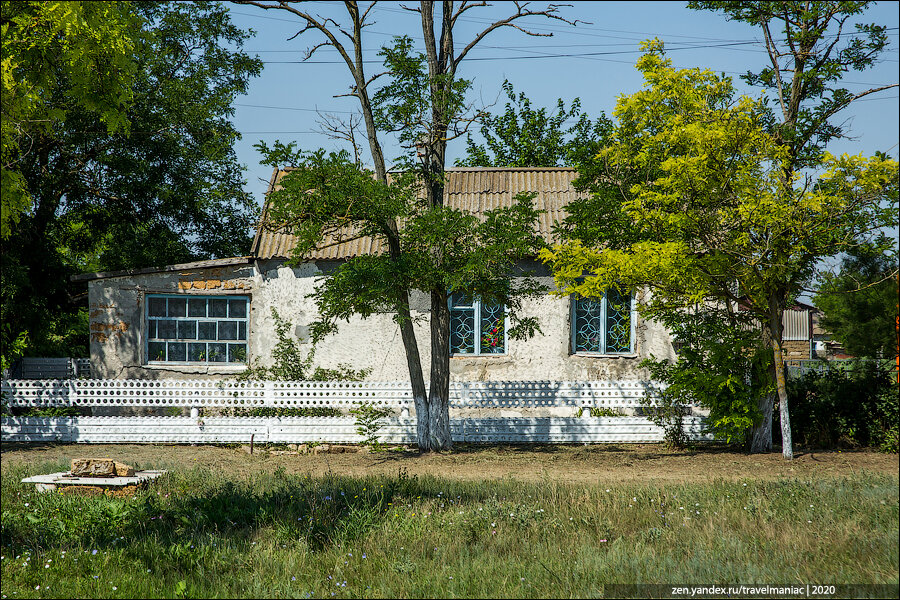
(268, 397)
(71, 393)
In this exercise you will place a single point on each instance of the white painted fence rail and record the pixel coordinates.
(487, 426)
(396, 430)
(162, 393)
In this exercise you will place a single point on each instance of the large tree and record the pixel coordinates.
(810, 48)
(423, 104)
(859, 303)
(700, 180)
(165, 189)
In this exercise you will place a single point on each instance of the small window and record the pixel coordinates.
(476, 327)
(603, 325)
(196, 329)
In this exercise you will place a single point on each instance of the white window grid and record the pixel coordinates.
(460, 304)
(235, 347)
(600, 326)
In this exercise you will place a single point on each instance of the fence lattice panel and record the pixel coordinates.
(162, 393)
(487, 426)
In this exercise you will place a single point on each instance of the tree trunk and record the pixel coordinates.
(439, 392)
(787, 446)
(414, 363)
(761, 435)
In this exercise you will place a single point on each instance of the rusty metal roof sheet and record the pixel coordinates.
(471, 189)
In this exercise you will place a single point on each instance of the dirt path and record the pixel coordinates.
(603, 463)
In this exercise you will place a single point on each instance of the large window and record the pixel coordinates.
(476, 327)
(197, 329)
(603, 325)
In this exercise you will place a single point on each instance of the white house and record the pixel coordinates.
(209, 318)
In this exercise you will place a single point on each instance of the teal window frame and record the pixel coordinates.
(193, 329)
(470, 314)
(594, 317)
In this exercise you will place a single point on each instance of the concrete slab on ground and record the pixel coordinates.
(50, 482)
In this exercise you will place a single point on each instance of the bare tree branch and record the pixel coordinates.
(522, 11)
(338, 128)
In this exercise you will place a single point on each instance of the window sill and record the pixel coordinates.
(197, 369)
(452, 356)
(598, 355)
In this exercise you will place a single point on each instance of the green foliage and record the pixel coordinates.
(719, 365)
(60, 58)
(811, 38)
(859, 304)
(15, 349)
(327, 196)
(600, 411)
(290, 362)
(422, 102)
(852, 407)
(701, 220)
(55, 411)
(342, 372)
(716, 214)
(525, 137)
(269, 411)
(165, 189)
(369, 420)
(416, 102)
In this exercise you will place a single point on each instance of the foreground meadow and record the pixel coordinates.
(205, 530)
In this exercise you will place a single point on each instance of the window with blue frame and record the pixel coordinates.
(603, 325)
(476, 327)
(196, 329)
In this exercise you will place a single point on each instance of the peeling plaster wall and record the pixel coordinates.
(375, 343)
(116, 306)
(117, 312)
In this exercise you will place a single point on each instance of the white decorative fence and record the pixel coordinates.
(511, 397)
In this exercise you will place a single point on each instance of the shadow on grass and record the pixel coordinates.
(181, 512)
(32, 446)
(644, 452)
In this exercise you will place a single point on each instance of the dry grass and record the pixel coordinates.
(275, 530)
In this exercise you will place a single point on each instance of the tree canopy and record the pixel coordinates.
(859, 303)
(700, 180)
(162, 187)
(811, 47)
(59, 57)
(526, 137)
(427, 246)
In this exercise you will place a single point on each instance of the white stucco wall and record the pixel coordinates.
(374, 343)
(117, 318)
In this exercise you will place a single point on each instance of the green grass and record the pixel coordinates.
(199, 533)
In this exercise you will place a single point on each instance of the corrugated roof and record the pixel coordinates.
(198, 264)
(471, 189)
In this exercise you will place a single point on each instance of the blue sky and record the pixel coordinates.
(282, 102)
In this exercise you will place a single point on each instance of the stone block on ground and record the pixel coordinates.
(100, 467)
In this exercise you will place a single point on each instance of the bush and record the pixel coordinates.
(292, 363)
(852, 407)
(719, 366)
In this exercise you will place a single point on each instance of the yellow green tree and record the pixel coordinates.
(59, 56)
(699, 177)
